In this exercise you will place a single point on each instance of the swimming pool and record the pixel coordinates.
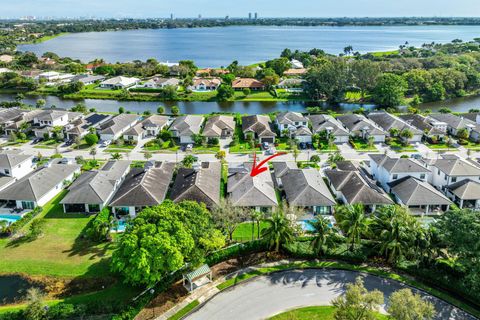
(306, 226)
(10, 218)
(120, 228)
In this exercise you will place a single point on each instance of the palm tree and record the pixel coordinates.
(370, 141)
(353, 222)
(335, 157)
(324, 235)
(331, 140)
(93, 152)
(279, 230)
(116, 156)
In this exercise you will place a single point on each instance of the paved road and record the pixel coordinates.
(268, 295)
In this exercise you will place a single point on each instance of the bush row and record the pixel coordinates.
(17, 225)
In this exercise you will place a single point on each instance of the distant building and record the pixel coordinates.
(256, 16)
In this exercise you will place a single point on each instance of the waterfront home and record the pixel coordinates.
(92, 190)
(293, 124)
(185, 127)
(9, 116)
(119, 83)
(247, 83)
(149, 127)
(87, 79)
(390, 122)
(220, 126)
(291, 84)
(296, 64)
(116, 126)
(6, 58)
(432, 129)
(15, 164)
(160, 83)
(143, 187)
(200, 184)
(455, 123)
(361, 127)
(295, 72)
(280, 169)
(14, 125)
(40, 186)
(385, 169)
(305, 188)
(49, 75)
(465, 194)
(44, 122)
(81, 127)
(352, 187)
(449, 169)
(328, 124)
(419, 196)
(257, 192)
(205, 84)
(260, 126)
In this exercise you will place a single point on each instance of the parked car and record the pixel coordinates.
(189, 147)
(416, 156)
(36, 140)
(106, 143)
(303, 145)
(265, 145)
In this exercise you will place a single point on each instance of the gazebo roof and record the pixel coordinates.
(200, 271)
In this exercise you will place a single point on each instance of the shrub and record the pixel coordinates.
(98, 229)
(91, 139)
(235, 251)
(17, 225)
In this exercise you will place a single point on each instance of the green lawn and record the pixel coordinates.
(397, 145)
(323, 146)
(314, 313)
(243, 232)
(60, 251)
(440, 146)
(17, 142)
(189, 307)
(361, 145)
(164, 147)
(243, 147)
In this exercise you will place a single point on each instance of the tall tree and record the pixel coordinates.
(324, 234)
(328, 80)
(227, 217)
(405, 305)
(365, 74)
(353, 222)
(390, 90)
(279, 230)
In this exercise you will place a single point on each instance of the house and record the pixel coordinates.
(200, 184)
(185, 126)
(119, 83)
(247, 83)
(143, 187)
(205, 84)
(13, 166)
(116, 126)
(44, 122)
(246, 191)
(6, 58)
(450, 169)
(13, 125)
(389, 122)
(260, 126)
(431, 128)
(220, 126)
(352, 187)
(40, 186)
(291, 84)
(10, 115)
(465, 194)
(385, 169)
(80, 127)
(419, 196)
(296, 125)
(455, 123)
(295, 72)
(92, 191)
(296, 64)
(49, 75)
(160, 83)
(87, 79)
(330, 125)
(305, 188)
(361, 127)
(149, 127)
(280, 169)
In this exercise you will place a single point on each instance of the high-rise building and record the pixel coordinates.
(171, 16)
(256, 16)
(250, 15)
(199, 16)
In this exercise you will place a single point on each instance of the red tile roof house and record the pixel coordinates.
(247, 83)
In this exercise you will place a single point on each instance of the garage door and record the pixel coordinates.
(269, 140)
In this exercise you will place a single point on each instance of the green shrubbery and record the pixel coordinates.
(98, 229)
(17, 225)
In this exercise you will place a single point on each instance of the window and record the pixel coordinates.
(422, 176)
(395, 176)
(28, 205)
(322, 210)
(454, 179)
(93, 208)
(7, 172)
(445, 178)
(438, 171)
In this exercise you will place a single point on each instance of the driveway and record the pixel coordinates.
(268, 295)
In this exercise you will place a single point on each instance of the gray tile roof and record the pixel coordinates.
(215, 125)
(321, 122)
(118, 123)
(281, 168)
(306, 188)
(92, 120)
(346, 165)
(155, 121)
(466, 189)
(454, 166)
(247, 191)
(9, 159)
(388, 121)
(415, 192)
(398, 165)
(35, 185)
(144, 187)
(259, 124)
(421, 123)
(290, 117)
(198, 184)
(452, 120)
(357, 122)
(356, 188)
(187, 125)
(53, 114)
(96, 187)
(10, 114)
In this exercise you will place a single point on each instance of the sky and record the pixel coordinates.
(237, 8)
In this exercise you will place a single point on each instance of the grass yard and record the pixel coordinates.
(163, 147)
(361, 145)
(314, 313)
(17, 142)
(323, 146)
(440, 146)
(396, 145)
(189, 307)
(243, 232)
(59, 252)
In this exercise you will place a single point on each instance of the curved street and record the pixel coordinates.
(268, 295)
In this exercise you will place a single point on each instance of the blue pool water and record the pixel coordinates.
(307, 226)
(121, 227)
(10, 218)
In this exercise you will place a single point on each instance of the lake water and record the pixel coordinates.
(13, 288)
(215, 47)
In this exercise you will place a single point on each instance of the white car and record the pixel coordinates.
(106, 143)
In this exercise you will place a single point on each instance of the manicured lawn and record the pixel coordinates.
(208, 149)
(440, 146)
(361, 145)
(189, 307)
(17, 142)
(60, 251)
(398, 146)
(313, 313)
(323, 146)
(243, 232)
(164, 147)
(242, 148)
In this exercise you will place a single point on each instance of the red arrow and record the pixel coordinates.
(257, 169)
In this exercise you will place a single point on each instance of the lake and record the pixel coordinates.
(219, 46)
